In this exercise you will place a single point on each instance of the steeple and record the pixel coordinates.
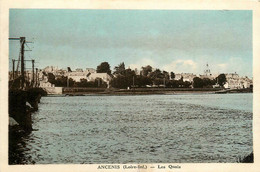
(207, 70)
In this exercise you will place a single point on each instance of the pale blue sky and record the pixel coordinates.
(174, 40)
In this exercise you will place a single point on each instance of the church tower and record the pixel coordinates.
(207, 70)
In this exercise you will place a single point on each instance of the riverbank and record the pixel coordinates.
(149, 91)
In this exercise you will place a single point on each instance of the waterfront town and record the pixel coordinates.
(120, 81)
(84, 111)
(53, 78)
(131, 86)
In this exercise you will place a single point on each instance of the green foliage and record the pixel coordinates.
(61, 81)
(207, 83)
(158, 81)
(197, 82)
(121, 82)
(172, 75)
(203, 83)
(146, 70)
(156, 74)
(186, 84)
(51, 78)
(82, 83)
(142, 81)
(104, 67)
(124, 80)
(166, 75)
(172, 83)
(120, 69)
(221, 79)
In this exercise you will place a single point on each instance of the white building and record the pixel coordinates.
(80, 74)
(90, 70)
(234, 81)
(50, 69)
(104, 76)
(210, 76)
(186, 76)
(77, 76)
(79, 70)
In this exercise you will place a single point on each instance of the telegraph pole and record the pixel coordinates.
(36, 78)
(32, 73)
(22, 42)
(13, 68)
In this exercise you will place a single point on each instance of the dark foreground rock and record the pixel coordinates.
(21, 105)
(248, 159)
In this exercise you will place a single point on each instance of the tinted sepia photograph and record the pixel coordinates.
(121, 86)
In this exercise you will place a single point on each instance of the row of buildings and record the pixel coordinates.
(90, 74)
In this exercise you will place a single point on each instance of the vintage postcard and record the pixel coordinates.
(130, 86)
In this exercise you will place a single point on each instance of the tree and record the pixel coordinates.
(156, 74)
(207, 83)
(181, 83)
(129, 73)
(158, 81)
(120, 69)
(51, 78)
(146, 70)
(62, 82)
(104, 67)
(142, 81)
(197, 82)
(173, 83)
(82, 83)
(221, 79)
(71, 82)
(186, 84)
(166, 75)
(124, 80)
(120, 82)
(172, 75)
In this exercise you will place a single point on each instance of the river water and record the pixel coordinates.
(188, 128)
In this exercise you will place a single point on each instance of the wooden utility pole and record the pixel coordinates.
(32, 73)
(22, 42)
(13, 68)
(134, 82)
(36, 78)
